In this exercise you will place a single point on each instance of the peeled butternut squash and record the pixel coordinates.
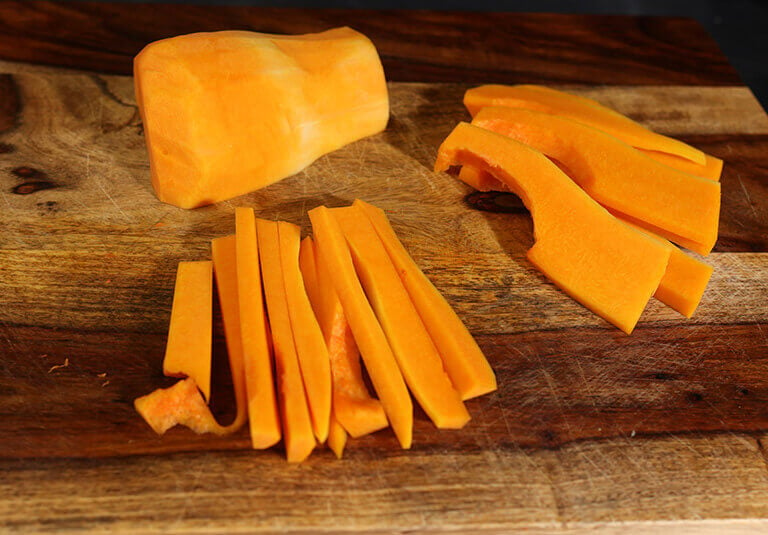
(607, 266)
(581, 109)
(618, 176)
(226, 113)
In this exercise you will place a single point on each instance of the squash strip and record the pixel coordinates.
(224, 254)
(337, 437)
(262, 406)
(602, 263)
(353, 406)
(297, 425)
(312, 352)
(711, 170)
(190, 334)
(617, 175)
(377, 354)
(414, 349)
(685, 278)
(470, 372)
(581, 109)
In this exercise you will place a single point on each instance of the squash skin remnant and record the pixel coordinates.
(226, 113)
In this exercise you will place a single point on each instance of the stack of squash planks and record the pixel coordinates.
(607, 196)
(298, 317)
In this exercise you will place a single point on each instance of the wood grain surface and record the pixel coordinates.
(590, 430)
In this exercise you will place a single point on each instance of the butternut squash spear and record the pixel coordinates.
(414, 350)
(311, 350)
(262, 406)
(374, 347)
(353, 407)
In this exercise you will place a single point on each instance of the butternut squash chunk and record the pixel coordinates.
(337, 437)
(467, 367)
(414, 350)
(602, 263)
(262, 406)
(685, 278)
(224, 254)
(311, 350)
(377, 354)
(297, 426)
(226, 113)
(353, 407)
(617, 175)
(581, 109)
(188, 350)
(179, 404)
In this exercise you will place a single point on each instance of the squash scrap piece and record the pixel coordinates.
(353, 407)
(224, 254)
(602, 263)
(685, 278)
(190, 334)
(584, 110)
(311, 350)
(180, 404)
(470, 372)
(377, 354)
(617, 175)
(414, 350)
(262, 406)
(297, 426)
(226, 113)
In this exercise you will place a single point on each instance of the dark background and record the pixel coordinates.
(739, 26)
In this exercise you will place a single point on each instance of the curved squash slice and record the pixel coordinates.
(711, 170)
(377, 354)
(226, 113)
(602, 263)
(581, 109)
(464, 362)
(416, 354)
(618, 176)
(353, 407)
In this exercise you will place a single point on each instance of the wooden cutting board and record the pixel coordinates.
(589, 428)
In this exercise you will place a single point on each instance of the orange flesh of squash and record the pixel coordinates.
(353, 406)
(190, 334)
(581, 109)
(617, 175)
(262, 405)
(711, 170)
(377, 355)
(337, 437)
(602, 263)
(298, 435)
(182, 404)
(311, 350)
(226, 113)
(414, 350)
(685, 278)
(467, 367)
(223, 252)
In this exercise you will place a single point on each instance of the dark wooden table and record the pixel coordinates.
(590, 429)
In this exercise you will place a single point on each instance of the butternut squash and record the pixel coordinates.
(257, 356)
(224, 255)
(353, 407)
(337, 437)
(467, 367)
(711, 170)
(375, 349)
(685, 278)
(298, 436)
(226, 113)
(311, 350)
(190, 334)
(617, 175)
(414, 350)
(581, 109)
(179, 404)
(602, 263)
